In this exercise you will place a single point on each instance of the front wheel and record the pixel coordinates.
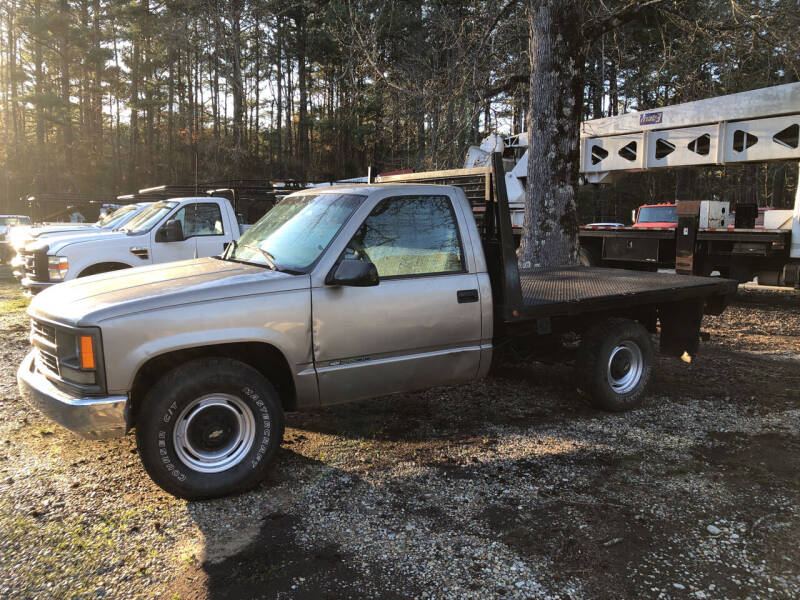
(209, 428)
(614, 364)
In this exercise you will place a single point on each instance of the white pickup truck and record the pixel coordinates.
(165, 231)
(22, 235)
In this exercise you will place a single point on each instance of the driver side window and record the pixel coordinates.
(200, 219)
(408, 236)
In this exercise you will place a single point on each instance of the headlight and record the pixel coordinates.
(57, 267)
(78, 356)
(18, 236)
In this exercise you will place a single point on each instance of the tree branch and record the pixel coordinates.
(626, 14)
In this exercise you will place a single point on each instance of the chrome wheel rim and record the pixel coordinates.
(625, 367)
(214, 433)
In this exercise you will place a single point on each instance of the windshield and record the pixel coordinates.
(146, 219)
(9, 221)
(115, 218)
(657, 214)
(294, 234)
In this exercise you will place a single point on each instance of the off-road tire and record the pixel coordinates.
(594, 364)
(587, 258)
(226, 382)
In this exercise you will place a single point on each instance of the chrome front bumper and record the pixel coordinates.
(92, 418)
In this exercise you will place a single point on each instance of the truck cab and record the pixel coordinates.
(652, 216)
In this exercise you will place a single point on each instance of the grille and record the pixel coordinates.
(35, 266)
(44, 331)
(48, 360)
(29, 262)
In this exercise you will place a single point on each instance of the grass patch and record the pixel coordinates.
(15, 304)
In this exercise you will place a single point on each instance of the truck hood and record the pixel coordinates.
(36, 232)
(59, 242)
(91, 300)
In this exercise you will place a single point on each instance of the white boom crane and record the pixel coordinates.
(756, 126)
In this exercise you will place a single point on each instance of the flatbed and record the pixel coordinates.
(577, 290)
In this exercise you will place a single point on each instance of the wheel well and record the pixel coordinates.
(266, 359)
(105, 267)
(590, 250)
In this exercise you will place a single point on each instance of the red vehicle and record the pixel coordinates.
(651, 216)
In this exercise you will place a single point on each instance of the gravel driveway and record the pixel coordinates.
(509, 488)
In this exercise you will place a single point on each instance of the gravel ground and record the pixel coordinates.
(510, 488)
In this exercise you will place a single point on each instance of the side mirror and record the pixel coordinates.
(172, 231)
(355, 273)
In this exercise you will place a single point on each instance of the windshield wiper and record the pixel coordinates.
(267, 256)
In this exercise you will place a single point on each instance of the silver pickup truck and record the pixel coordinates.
(333, 296)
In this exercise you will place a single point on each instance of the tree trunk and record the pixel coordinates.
(170, 115)
(65, 86)
(97, 84)
(302, 125)
(279, 99)
(134, 122)
(550, 235)
(778, 186)
(37, 54)
(237, 84)
(12, 72)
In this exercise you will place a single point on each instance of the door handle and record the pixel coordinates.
(465, 296)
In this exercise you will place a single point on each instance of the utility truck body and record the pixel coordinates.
(757, 126)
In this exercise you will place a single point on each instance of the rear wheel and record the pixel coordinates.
(614, 364)
(209, 428)
(587, 258)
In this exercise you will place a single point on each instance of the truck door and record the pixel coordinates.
(420, 326)
(210, 231)
(203, 233)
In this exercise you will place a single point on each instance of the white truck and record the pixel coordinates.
(166, 231)
(22, 235)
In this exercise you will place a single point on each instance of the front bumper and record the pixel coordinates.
(91, 418)
(34, 287)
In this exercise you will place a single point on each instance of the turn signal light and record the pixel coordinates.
(87, 352)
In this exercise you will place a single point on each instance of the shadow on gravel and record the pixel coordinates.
(748, 462)
(440, 414)
(273, 563)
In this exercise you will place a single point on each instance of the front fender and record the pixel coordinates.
(281, 319)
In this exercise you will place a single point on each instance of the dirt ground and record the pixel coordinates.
(511, 487)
